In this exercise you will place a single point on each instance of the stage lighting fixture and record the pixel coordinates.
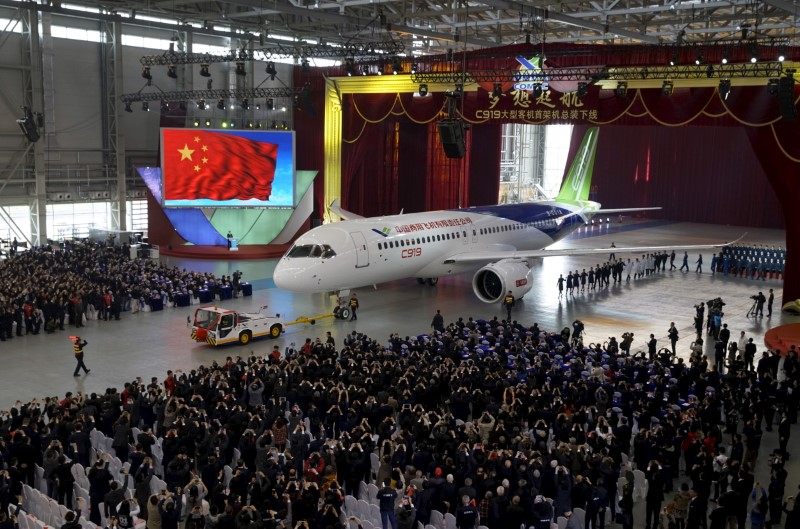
(537, 89)
(146, 73)
(224, 124)
(583, 89)
(753, 54)
(201, 104)
(674, 60)
(622, 89)
(221, 104)
(423, 89)
(497, 90)
(304, 66)
(258, 106)
(271, 71)
(172, 71)
(240, 69)
(208, 123)
(781, 56)
(396, 66)
(349, 66)
(772, 87)
(164, 107)
(196, 123)
(724, 88)
(245, 104)
(250, 125)
(204, 71)
(258, 124)
(270, 104)
(284, 125)
(667, 88)
(725, 57)
(414, 68)
(699, 59)
(232, 125)
(364, 70)
(145, 106)
(273, 125)
(128, 106)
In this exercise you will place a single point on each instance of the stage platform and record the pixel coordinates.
(781, 338)
(251, 251)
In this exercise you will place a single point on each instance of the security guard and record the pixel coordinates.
(77, 347)
(508, 303)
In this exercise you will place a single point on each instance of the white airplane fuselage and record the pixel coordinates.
(357, 253)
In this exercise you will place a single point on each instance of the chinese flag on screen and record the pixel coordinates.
(202, 164)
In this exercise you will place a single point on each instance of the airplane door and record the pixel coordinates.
(362, 253)
(465, 237)
(474, 235)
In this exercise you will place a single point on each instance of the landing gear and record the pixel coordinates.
(429, 280)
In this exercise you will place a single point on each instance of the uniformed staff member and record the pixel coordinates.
(467, 516)
(508, 303)
(77, 347)
(353, 307)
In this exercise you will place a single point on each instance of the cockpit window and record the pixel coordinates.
(311, 250)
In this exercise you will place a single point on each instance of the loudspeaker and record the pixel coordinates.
(451, 134)
(786, 98)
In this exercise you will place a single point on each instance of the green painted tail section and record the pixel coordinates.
(579, 177)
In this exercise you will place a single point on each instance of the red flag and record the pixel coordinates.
(212, 165)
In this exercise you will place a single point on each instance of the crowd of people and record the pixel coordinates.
(751, 261)
(495, 422)
(49, 287)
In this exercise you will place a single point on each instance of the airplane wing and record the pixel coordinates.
(336, 208)
(622, 210)
(491, 256)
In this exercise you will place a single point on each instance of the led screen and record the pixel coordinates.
(217, 168)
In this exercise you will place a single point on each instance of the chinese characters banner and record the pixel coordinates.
(533, 106)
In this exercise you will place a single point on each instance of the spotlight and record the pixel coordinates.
(423, 89)
(164, 107)
(245, 104)
(146, 73)
(128, 106)
(145, 106)
(271, 71)
(172, 71)
(204, 71)
(250, 125)
(258, 124)
(208, 123)
(304, 66)
(201, 104)
(622, 89)
(725, 57)
(781, 55)
(674, 60)
(285, 126)
(414, 68)
(772, 87)
(537, 90)
(396, 66)
(221, 104)
(497, 90)
(699, 59)
(224, 124)
(196, 123)
(240, 70)
(667, 88)
(583, 89)
(754, 55)
(273, 125)
(710, 71)
(232, 125)
(270, 104)
(364, 70)
(724, 88)
(349, 66)
(258, 106)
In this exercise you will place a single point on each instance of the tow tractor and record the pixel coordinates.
(217, 326)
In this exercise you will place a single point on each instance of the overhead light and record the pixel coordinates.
(270, 104)
(240, 69)
(196, 123)
(245, 104)
(250, 125)
(753, 54)
(414, 68)
(146, 73)
(724, 88)
(221, 104)
(583, 89)
(674, 60)
(423, 89)
(208, 123)
(204, 71)
(224, 124)
(397, 67)
(349, 66)
(145, 106)
(232, 124)
(258, 124)
(201, 104)
(725, 57)
(364, 70)
(273, 125)
(497, 90)
(772, 87)
(271, 71)
(258, 106)
(699, 59)
(128, 106)
(172, 71)
(667, 88)
(164, 107)
(284, 125)
(781, 57)
(304, 66)
(232, 105)
(622, 89)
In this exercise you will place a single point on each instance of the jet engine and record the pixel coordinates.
(491, 282)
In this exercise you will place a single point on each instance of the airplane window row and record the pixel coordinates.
(311, 250)
(511, 227)
(414, 241)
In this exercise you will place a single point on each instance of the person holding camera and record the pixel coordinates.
(760, 300)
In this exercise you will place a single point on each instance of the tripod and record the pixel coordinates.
(752, 310)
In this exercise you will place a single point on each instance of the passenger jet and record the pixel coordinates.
(497, 241)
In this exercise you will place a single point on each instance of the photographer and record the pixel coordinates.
(760, 300)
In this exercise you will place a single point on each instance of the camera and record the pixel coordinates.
(755, 298)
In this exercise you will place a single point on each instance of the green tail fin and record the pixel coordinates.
(579, 177)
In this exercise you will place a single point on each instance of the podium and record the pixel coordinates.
(234, 245)
(247, 289)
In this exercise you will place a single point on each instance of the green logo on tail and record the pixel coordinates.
(579, 177)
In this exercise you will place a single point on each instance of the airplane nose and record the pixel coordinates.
(282, 277)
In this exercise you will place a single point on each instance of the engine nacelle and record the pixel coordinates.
(491, 282)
